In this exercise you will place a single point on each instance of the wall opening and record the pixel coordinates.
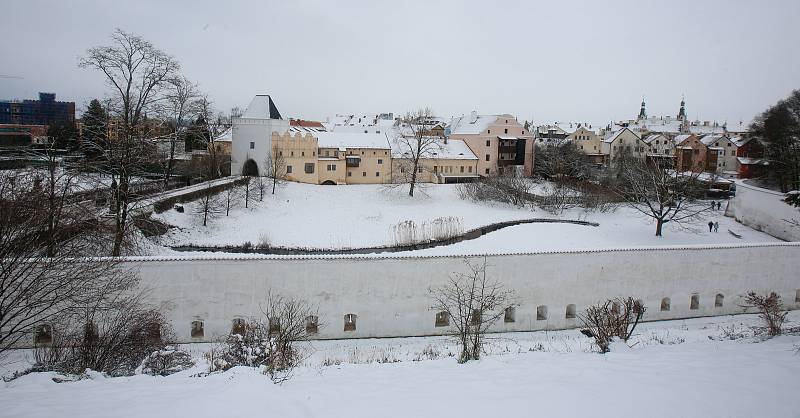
(238, 326)
(571, 311)
(665, 304)
(695, 302)
(274, 326)
(510, 314)
(475, 319)
(197, 329)
(541, 312)
(43, 334)
(442, 319)
(250, 168)
(350, 322)
(719, 300)
(312, 324)
(328, 183)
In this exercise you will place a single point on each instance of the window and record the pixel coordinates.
(380, 161)
(238, 326)
(309, 168)
(442, 319)
(505, 130)
(462, 168)
(571, 311)
(665, 304)
(476, 317)
(719, 300)
(488, 143)
(288, 169)
(280, 153)
(469, 169)
(197, 329)
(487, 171)
(487, 157)
(377, 174)
(349, 174)
(363, 174)
(694, 304)
(302, 153)
(419, 169)
(252, 145)
(291, 154)
(43, 334)
(510, 314)
(541, 313)
(350, 322)
(312, 324)
(331, 167)
(488, 131)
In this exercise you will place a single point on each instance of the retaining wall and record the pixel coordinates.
(389, 294)
(764, 210)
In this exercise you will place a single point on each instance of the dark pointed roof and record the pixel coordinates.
(262, 107)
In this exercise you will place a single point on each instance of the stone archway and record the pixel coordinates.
(328, 183)
(250, 168)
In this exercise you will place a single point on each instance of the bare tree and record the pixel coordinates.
(248, 190)
(470, 303)
(661, 194)
(414, 143)
(612, 318)
(290, 321)
(43, 276)
(138, 74)
(210, 205)
(261, 186)
(275, 168)
(770, 310)
(180, 103)
(210, 132)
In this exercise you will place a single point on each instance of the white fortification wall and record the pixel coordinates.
(764, 210)
(390, 295)
(258, 131)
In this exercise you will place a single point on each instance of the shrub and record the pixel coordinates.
(613, 318)
(770, 310)
(166, 362)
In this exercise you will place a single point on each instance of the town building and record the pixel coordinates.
(692, 155)
(660, 150)
(252, 135)
(45, 111)
(451, 161)
(621, 143)
(501, 143)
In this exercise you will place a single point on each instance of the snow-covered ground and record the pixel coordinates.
(303, 215)
(678, 368)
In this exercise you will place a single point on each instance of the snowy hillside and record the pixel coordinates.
(677, 368)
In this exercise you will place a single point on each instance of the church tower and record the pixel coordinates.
(642, 112)
(682, 112)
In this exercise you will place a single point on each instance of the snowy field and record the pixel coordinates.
(302, 215)
(683, 368)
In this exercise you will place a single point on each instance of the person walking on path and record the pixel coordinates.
(719, 205)
(713, 204)
(716, 226)
(710, 225)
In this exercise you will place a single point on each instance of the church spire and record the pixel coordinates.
(682, 112)
(642, 111)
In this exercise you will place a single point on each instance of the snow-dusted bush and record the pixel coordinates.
(251, 349)
(612, 318)
(793, 198)
(770, 310)
(167, 361)
(264, 240)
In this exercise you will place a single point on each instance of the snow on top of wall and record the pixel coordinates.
(226, 136)
(352, 140)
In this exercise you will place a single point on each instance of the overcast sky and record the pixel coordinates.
(551, 61)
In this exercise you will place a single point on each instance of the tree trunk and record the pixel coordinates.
(659, 225)
(168, 170)
(413, 180)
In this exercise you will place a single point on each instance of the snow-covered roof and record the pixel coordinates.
(472, 123)
(752, 161)
(611, 137)
(454, 149)
(261, 107)
(306, 129)
(680, 138)
(652, 137)
(698, 127)
(661, 124)
(710, 139)
(739, 141)
(351, 140)
(226, 136)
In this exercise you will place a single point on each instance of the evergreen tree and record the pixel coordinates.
(95, 130)
(779, 128)
(64, 135)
